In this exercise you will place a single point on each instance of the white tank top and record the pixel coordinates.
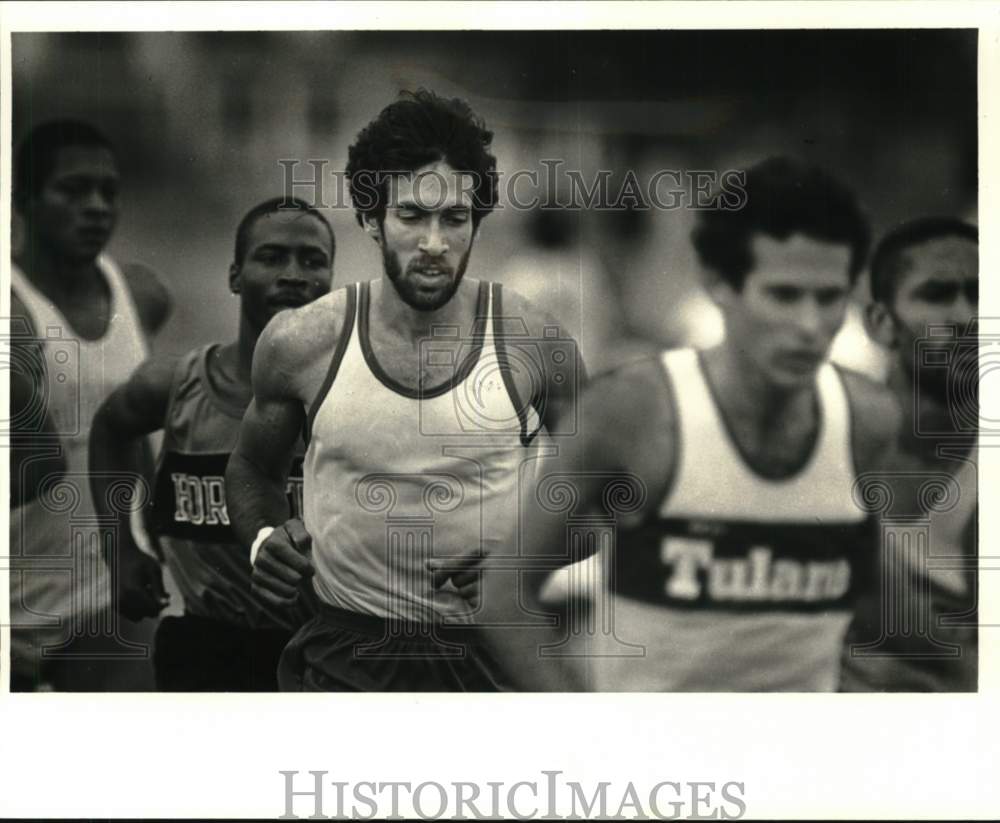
(741, 583)
(80, 374)
(394, 476)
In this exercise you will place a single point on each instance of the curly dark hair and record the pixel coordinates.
(418, 129)
(783, 197)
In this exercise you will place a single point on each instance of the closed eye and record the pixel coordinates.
(269, 254)
(74, 188)
(827, 297)
(785, 294)
(457, 218)
(938, 291)
(972, 291)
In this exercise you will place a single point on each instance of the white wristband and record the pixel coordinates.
(262, 535)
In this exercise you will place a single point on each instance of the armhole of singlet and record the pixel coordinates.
(190, 363)
(674, 470)
(500, 346)
(121, 292)
(350, 312)
(850, 420)
(201, 371)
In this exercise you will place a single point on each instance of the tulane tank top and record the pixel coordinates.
(740, 583)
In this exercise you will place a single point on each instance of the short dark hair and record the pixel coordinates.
(783, 197)
(275, 204)
(418, 129)
(891, 261)
(39, 150)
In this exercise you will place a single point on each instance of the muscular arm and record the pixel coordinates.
(875, 425)
(118, 447)
(117, 436)
(619, 442)
(289, 365)
(259, 465)
(151, 296)
(561, 365)
(875, 422)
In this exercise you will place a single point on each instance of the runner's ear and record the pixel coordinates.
(235, 278)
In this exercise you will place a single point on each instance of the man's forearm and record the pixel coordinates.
(112, 459)
(254, 499)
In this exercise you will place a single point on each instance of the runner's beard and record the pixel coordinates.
(412, 292)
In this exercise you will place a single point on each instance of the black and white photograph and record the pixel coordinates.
(392, 357)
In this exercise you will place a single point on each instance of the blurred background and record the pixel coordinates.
(202, 119)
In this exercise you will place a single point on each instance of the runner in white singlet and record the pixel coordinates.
(421, 393)
(724, 478)
(82, 325)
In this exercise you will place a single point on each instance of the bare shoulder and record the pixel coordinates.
(295, 343)
(629, 411)
(875, 416)
(630, 390)
(21, 324)
(156, 374)
(526, 319)
(150, 294)
(874, 408)
(140, 405)
(628, 423)
(539, 323)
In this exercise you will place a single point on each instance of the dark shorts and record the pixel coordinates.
(341, 651)
(196, 654)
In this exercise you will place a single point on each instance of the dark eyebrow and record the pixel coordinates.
(314, 249)
(284, 247)
(936, 282)
(417, 206)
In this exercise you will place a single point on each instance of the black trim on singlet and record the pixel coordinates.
(810, 453)
(478, 335)
(674, 470)
(852, 420)
(500, 345)
(181, 370)
(211, 392)
(346, 330)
